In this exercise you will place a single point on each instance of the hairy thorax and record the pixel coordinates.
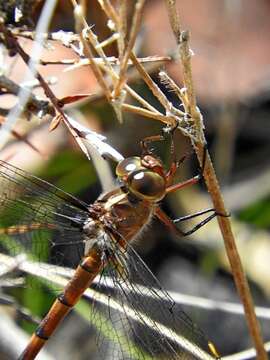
(122, 214)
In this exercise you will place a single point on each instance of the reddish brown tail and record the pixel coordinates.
(84, 275)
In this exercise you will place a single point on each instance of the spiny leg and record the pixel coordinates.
(200, 224)
(147, 141)
(191, 181)
(171, 223)
(191, 216)
(176, 163)
(146, 150)
(171, 131)
(183, 184)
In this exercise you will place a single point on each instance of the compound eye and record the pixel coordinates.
(147, 185)
(126, 166)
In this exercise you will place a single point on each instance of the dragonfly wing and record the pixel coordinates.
(39, 219)
(142, 320)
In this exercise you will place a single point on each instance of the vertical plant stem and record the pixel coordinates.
(182, 39)
(232, 253)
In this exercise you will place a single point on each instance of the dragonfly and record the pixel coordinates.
(37, 217)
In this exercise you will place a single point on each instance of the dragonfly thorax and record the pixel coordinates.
(93, 235)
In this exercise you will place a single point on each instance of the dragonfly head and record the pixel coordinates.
(144, 177)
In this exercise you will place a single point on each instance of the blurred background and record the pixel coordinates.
(231, 69)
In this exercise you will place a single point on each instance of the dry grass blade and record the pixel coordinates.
(133, 34)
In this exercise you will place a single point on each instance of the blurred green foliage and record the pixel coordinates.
(257, 214)
(61, 171)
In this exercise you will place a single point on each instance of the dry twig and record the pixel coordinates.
(182, 39)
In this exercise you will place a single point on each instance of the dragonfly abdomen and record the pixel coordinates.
(86, 271)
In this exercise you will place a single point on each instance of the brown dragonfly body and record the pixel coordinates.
(113, 221)
(120, 214)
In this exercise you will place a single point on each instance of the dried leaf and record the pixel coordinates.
(71, 99)
(55, 122)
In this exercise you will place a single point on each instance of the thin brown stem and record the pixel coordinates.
(112, 59)
(185, 56)
(150, 83)
(106, 66)
(149, 114)
(48, 92)
(171, 111)
(34, 105)
(96, 69)
(182, 38)
(112, 14)
(133, 34)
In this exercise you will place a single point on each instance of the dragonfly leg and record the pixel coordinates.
(201, 223)
(170, 130)
(197, 226)
(163, 217)
(167, 130)
(202, 167)
(147, 141)
(171, 223)
(183, 184)
(194, 180)
(146, 150)
(174, 162)
(191, 216)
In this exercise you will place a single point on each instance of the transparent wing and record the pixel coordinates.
(39, 219)
(140, 320)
